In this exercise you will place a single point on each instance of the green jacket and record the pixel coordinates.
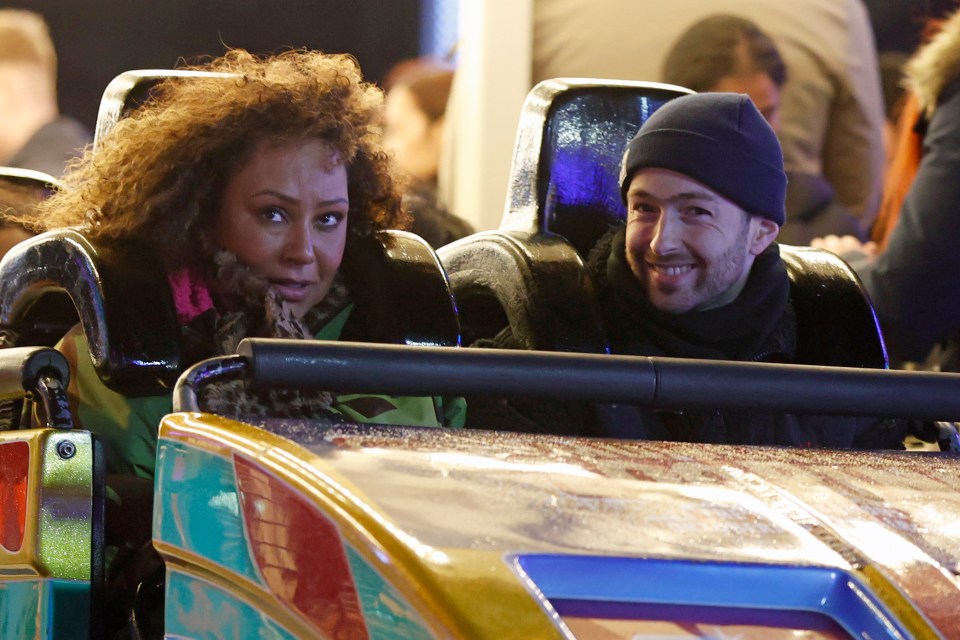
(129, 424)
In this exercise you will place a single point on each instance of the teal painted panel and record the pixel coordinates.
(199, 610)
(71, 609)
(35, 609)
(197, 508)
(20, 604)
(387, 614)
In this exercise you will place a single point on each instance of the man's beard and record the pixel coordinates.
(724, 272)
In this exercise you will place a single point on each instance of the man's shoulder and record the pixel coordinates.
(49, 149)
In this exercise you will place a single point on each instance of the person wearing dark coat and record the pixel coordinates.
(417, 94)
(914, 282)
(33, 133)
(695, 273)
(52, 146)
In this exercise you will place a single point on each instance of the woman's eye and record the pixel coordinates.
(273, 214)
(329, 219)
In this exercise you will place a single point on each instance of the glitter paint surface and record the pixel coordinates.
(438, 512)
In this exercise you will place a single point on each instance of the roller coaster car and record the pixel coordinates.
(282, 528)
(289, 529)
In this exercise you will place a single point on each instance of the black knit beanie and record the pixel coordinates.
(719, 139)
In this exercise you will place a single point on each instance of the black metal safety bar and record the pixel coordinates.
(656, 383)
(187, 390)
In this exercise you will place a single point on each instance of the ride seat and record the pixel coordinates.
(564, 194)
(120, 296)
(42, 182)
(129, 90)
(40, 185)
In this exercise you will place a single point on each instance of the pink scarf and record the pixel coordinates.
(191, 297)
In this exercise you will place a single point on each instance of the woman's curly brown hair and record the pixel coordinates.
(159, 174)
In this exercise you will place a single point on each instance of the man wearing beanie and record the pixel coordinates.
(695, 273)
(704, 186)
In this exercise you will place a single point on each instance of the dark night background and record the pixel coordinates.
(898, 24)
(98, 39)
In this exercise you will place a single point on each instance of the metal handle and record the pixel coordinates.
(187, 390)
(40, 372)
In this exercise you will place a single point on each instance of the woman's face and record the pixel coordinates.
(284, 214)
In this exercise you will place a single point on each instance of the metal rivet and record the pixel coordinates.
(66, 449)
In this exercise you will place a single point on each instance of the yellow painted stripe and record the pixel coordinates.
(898, 604)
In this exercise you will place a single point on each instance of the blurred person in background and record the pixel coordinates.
(417, 94)
(832, 107)
(913, 282)
(729, 53)
(33, 134)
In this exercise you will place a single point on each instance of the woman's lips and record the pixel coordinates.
(291, 290)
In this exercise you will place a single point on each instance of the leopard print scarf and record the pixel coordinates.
(252, 309)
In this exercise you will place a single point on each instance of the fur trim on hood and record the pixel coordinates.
(935, 65)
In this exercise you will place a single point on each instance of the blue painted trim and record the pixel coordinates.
(574, 583)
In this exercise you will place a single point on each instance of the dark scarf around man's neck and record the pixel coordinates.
(758, 325)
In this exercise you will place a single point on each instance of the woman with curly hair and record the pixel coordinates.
(259, 189)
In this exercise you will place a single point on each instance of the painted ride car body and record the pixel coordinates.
(283, 528)
(46, 530)
(362, 532)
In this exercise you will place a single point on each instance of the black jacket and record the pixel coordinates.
(914, 284)
(767, 333)
(52, 146)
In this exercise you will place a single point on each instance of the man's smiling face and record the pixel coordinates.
(690, 248)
